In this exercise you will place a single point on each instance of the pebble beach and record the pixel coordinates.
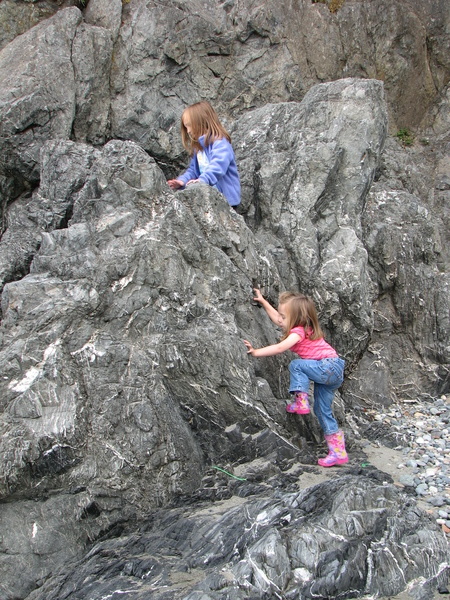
(423, 432)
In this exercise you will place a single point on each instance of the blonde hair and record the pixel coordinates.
(204, 121)
(301, 313)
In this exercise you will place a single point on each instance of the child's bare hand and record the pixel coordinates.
(192, 181)
(175, 184)
(258, 296)
(250, 349)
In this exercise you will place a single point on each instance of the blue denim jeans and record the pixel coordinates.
(327, 374)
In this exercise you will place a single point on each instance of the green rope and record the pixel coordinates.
(230, 474)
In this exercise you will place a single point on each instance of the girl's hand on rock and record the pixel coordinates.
(258, 296)
(175, 184)
(250, 349)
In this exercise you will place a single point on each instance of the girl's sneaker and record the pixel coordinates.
(300, 406)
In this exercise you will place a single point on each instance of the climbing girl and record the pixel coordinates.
(212, 156)
(318, 362)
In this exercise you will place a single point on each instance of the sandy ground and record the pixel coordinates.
(381, 457)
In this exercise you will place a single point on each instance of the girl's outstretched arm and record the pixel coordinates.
(286, 344)
(192, 172)
(272, 312)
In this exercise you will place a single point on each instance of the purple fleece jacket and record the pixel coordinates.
(221, 171)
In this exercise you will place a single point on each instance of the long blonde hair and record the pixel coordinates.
(204, 121)
(301, 313)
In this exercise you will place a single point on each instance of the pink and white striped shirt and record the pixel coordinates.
(311, 349)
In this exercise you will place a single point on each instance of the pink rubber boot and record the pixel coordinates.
(300, 406)
(337, 454)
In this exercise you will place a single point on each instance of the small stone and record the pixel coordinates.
(422, 489)
(407, 480)
(438, 501)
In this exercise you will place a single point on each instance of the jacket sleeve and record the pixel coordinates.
(220, 156)
(192, 172)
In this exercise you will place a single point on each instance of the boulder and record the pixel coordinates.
(122, 353)
(341, 538)
(17, 16)
(306, 169)
(54, 81)
(37, 93)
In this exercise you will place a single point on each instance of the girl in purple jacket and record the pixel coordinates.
(212, 156)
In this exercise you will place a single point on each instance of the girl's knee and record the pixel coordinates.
(295, 365)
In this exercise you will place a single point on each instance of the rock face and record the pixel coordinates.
(313, 225)
(241, 56)
(37, 96)
(237, 55)
(137, 343)
(18, 16)
(124, 305)
(410, 265)
(308, 544)
(51, 81)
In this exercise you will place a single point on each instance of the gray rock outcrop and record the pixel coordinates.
(313, 224)
(323, 542)
(18, 16)
(237, 55)
(125, 382)
(52, 78)
(241, 56)
(123, 363)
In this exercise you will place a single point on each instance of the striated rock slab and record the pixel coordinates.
(121, 352)
(343, 538)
